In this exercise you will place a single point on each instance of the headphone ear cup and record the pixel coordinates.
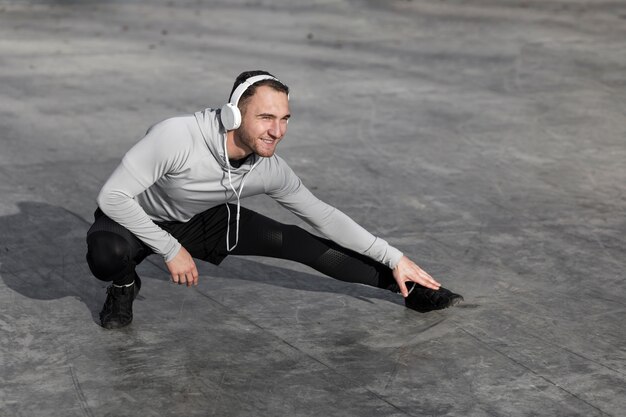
(230, 116)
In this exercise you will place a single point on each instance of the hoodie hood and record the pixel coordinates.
(214, 135)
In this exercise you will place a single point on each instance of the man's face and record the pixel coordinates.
(263, 121)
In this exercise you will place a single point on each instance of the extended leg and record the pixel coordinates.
(263, 236)
(260, 235)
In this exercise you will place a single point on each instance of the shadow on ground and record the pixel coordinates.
(43, 257)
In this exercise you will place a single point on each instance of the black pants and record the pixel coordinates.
(114, 252)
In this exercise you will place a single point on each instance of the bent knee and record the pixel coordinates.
(108, 255)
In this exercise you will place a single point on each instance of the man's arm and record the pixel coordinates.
(337, 226)
(116, 201)
(151, 158)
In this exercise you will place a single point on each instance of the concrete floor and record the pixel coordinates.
(484, 138)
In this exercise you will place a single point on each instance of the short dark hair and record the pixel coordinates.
(275, 85)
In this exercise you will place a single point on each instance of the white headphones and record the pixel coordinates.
(230, 114)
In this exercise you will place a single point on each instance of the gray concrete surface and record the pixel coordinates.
(487, 139)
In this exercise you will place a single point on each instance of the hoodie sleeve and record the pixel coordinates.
(160, 152)
(287, 189)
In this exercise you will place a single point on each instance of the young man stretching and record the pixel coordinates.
(174, 191)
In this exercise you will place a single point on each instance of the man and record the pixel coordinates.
(167, 197)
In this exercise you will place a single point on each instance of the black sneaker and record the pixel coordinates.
(424, 299)
(117, 311)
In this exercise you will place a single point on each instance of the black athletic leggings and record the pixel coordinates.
(113, 251)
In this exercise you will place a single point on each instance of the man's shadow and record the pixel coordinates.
(42, 256)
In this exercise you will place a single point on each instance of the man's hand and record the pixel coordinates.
(183, 269)
(407, 271)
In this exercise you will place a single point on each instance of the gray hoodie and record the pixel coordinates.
(179, 169)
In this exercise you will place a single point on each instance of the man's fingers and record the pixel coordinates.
(425, 275)
(179, 279)
(427, 280)
(428, 283)
(432, 284)
(403, 290)
(188, 278)
(195, 274)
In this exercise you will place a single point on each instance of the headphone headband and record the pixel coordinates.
(241, 88)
